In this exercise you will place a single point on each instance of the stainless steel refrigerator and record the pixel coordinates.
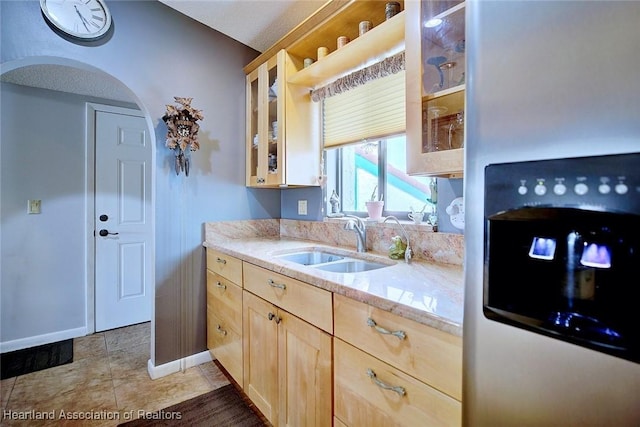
(547, 81)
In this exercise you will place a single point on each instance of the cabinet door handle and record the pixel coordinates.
(400, 390)
(276, 285)
(221, 331)
(400, 334)
(273, 316)
(220, 285)
(221, 261)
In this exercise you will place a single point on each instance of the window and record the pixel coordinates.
(369, 105)
(355, 171)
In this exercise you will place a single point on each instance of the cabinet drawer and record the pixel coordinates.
(225, 265)
(224, 299)
(225, 345)
(431, 355)
(363, 400)
(298, 298)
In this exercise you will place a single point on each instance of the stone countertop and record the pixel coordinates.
(428, 293)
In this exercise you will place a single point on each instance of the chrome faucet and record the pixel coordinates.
(357, 225)
(408, 253)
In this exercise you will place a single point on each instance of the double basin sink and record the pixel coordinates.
(329, 261)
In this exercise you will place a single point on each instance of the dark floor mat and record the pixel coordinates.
(21, 362)
(223, 407)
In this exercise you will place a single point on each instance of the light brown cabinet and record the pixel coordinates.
(385, 38)
(278, 86)
(389, 370)
(435, 71)
(306, 356)
(282, 130)
(224, 312)
(225, 265)
(288, 362)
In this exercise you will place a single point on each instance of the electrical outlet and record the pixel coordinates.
(33, 206)
(302, 207)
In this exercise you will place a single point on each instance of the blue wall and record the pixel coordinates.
(158, 53)
(313, 196)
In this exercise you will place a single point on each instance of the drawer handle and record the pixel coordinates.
(400, 390)
(221, 286)
(276, 285)
(221, 261)
(273, 316)
(221, 331)
(400, 334)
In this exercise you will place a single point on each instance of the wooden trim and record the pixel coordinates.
(325, 12)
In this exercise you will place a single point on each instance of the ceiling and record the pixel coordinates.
(256, 23)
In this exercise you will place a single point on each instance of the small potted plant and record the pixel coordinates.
(374, 206)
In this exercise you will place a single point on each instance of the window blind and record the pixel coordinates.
(373, 110)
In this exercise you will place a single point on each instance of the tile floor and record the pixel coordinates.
(108, 377)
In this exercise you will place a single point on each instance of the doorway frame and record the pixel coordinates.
(91, 108)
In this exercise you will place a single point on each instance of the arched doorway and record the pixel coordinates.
(49, 259)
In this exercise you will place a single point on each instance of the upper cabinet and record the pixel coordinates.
(435, 70)
(282, 134)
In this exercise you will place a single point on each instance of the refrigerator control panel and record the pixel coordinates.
(601, 183)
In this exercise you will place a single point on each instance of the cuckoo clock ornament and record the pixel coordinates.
(182, 131)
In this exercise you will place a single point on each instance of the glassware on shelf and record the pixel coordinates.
(446, 74)
(273, 163)
(456, 131)
(437, 62)
(434, 133)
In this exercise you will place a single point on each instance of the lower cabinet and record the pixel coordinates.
(392, 371)
(307, 357)
(287, 365)
(260, 341)
(224, 323)
(369, 392)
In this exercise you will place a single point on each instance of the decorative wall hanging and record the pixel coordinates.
(182, 131)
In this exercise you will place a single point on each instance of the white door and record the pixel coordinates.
(123, 229)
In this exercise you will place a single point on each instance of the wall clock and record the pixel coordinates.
(81, 19)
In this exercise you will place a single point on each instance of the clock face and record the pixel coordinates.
(82, 19)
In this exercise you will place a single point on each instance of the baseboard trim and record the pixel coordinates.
(28, 342)
(160, 371)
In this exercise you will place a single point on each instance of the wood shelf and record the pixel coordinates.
(443, 93)
(376, 44)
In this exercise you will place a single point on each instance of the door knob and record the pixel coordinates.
(105, 233)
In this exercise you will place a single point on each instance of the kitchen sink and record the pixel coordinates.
(329, 261)
(311, 257)
(350, 266)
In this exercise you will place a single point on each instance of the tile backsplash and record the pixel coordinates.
(427, 245)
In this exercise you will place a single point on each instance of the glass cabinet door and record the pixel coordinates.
(253, 138)
(273, 132)
(264, 132)
(436, 60)
(443, 74)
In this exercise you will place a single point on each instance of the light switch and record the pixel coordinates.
(302, 207)
(33, 206)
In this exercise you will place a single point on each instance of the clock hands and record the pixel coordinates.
(82, 18)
